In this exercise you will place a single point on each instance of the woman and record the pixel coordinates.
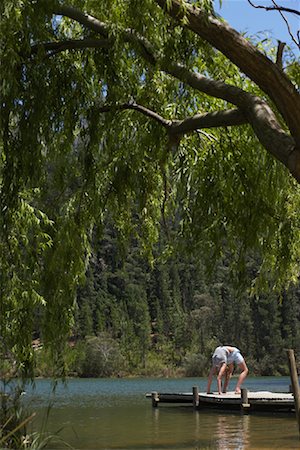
(223, 360)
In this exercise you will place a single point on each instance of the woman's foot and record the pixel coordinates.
(237, 391)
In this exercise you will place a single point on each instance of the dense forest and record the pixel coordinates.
(165, 320)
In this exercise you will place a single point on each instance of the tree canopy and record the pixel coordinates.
(154, 112)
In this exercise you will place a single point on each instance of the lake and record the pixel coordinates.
(115, 414)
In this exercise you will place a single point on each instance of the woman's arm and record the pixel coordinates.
(228, 373)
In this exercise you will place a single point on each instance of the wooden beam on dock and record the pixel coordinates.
(155, 399)
(295, 383)
(245, 405)
(195, 397)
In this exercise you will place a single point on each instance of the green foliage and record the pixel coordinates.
(226, 198)
(65, 166)
(102, 357)
(195, 365)
(12, 415)
(15, 421)
(155, 366)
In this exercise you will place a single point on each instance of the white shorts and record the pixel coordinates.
(235, 357)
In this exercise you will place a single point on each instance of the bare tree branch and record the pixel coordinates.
(275, 8)
(287, 24)
(279, 53)
(281, 9)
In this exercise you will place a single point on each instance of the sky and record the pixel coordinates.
(243, 17)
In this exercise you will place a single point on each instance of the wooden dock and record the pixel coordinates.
(246, 402)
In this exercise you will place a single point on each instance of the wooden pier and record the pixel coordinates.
(246, 402)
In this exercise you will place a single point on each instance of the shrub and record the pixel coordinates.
(103, 357)
(195, 365)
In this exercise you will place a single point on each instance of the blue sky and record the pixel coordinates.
(243, 17)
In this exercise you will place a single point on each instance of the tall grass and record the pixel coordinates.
(15, 420)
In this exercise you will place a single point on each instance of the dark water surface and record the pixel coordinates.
(114, 414)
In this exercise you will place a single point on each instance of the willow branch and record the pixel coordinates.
(240, 51)
(230, 117)
(134, 106)
(214, 88)
(84, 19)
(260, 69)
(93, 24)
(71, 44)
(226, 118)
(256, 111)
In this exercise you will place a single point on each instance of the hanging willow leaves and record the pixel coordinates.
(151, 112)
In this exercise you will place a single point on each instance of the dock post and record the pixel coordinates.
(295, 383)
(195, 397)
(245, 405)
(155, 399)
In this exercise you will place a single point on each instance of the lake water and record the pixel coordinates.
(115, 414)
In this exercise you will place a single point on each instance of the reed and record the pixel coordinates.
(15, 421)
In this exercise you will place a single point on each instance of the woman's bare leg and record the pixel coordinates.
(242, 376)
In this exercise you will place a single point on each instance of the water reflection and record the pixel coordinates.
(232, 432)
(155, 426)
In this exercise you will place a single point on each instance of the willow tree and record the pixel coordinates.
(151, 112)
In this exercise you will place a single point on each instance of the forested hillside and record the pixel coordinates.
(166, 320)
